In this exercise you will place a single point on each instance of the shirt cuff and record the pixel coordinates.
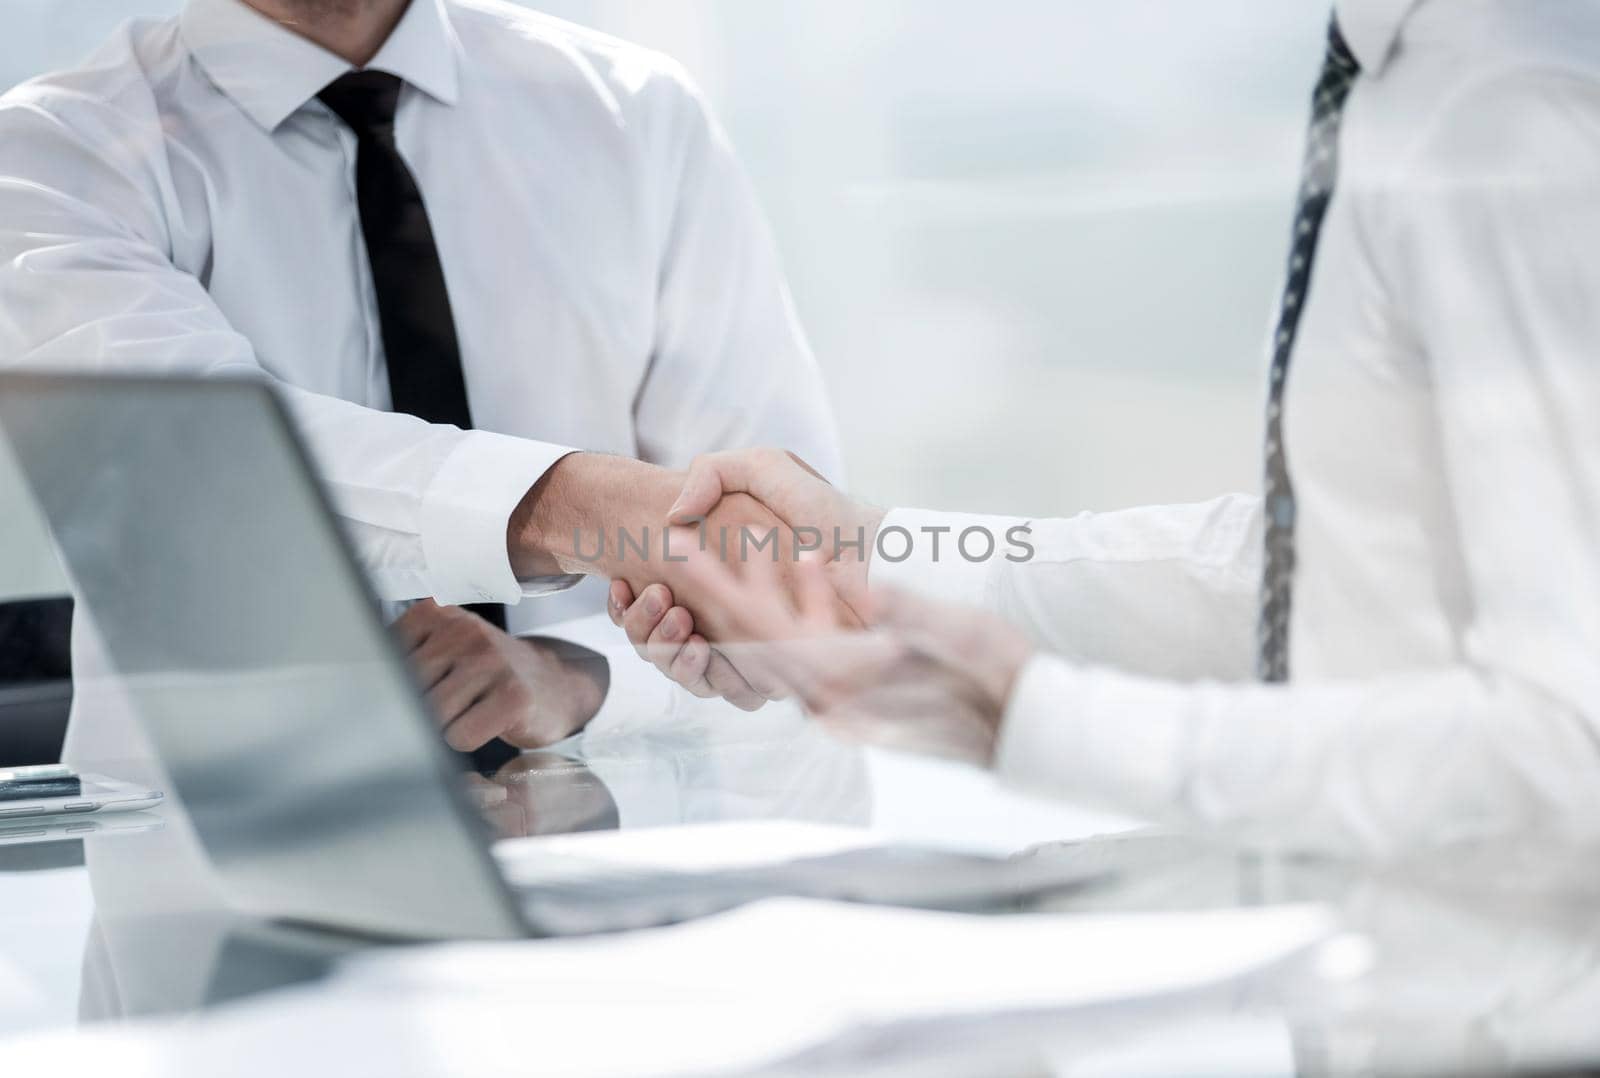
(1059, 737)
(464, 515)
(938, 553)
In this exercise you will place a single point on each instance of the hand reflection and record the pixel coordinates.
(541, 793)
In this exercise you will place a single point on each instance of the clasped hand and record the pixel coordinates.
(748, 622)
(880, 667)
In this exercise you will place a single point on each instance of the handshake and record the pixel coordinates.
(754, 526)
(744, 578)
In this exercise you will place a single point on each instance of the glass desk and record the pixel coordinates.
(1482, 961)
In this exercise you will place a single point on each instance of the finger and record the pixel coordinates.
(758, 612)
(466, 683)
(703, 488)
(755, 663)
(430, 669)
(837, 668)
(447, 646)
(671, 633)
(815, 599)
(689, 668)
(756, 671)
(761, 672)
(731, 686)
(713, 475)
(417, 623)
(845, 615)
(621, 599)
(483, 721)
(642, 618)
(754, 609)
(821, 609)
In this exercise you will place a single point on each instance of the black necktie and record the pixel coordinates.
(1339, 71)
(419, 332)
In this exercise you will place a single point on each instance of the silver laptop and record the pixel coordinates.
(196, 533)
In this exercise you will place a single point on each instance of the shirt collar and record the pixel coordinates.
(270, 71)
(1371, 28)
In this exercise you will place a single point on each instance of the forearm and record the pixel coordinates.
(1168, 591)
(572, 519)
(579, 678)
(1376, 767)
(427, 506)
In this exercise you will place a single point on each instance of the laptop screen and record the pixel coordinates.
(197, 536)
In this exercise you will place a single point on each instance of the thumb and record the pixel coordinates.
(710, 477)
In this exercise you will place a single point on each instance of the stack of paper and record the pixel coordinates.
(874, 964)
(732, 992)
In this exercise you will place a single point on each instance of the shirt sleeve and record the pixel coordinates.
(1169, 591)
(1485, 238)
(87, 283)
(731, 366)
(1372, 768)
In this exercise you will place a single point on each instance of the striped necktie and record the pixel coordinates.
(1321, 168)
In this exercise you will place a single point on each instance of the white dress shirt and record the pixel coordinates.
(183, 202)
(1443, 435)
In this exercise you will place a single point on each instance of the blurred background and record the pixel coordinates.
(1035, 242)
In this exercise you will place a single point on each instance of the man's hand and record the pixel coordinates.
(570, 520)
(665, 633)
(483, 684)
(930, 677)
(609, 516)
(845, 529)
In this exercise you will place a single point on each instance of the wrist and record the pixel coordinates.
(860, 525)
(582, 684)
(869, 518)
(571, 519)
(572, 682)
(1013, 659)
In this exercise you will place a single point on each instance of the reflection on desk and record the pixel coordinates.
(1485, 961)
(1487, 964)
(544, 793)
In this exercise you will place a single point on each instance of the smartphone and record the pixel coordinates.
(94, 793)
(66, 829)
(37, 789)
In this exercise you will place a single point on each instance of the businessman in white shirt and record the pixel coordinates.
(465, 240)
(1397, 642)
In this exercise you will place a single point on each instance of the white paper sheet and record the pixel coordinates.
(873, 964)
(737, 991)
